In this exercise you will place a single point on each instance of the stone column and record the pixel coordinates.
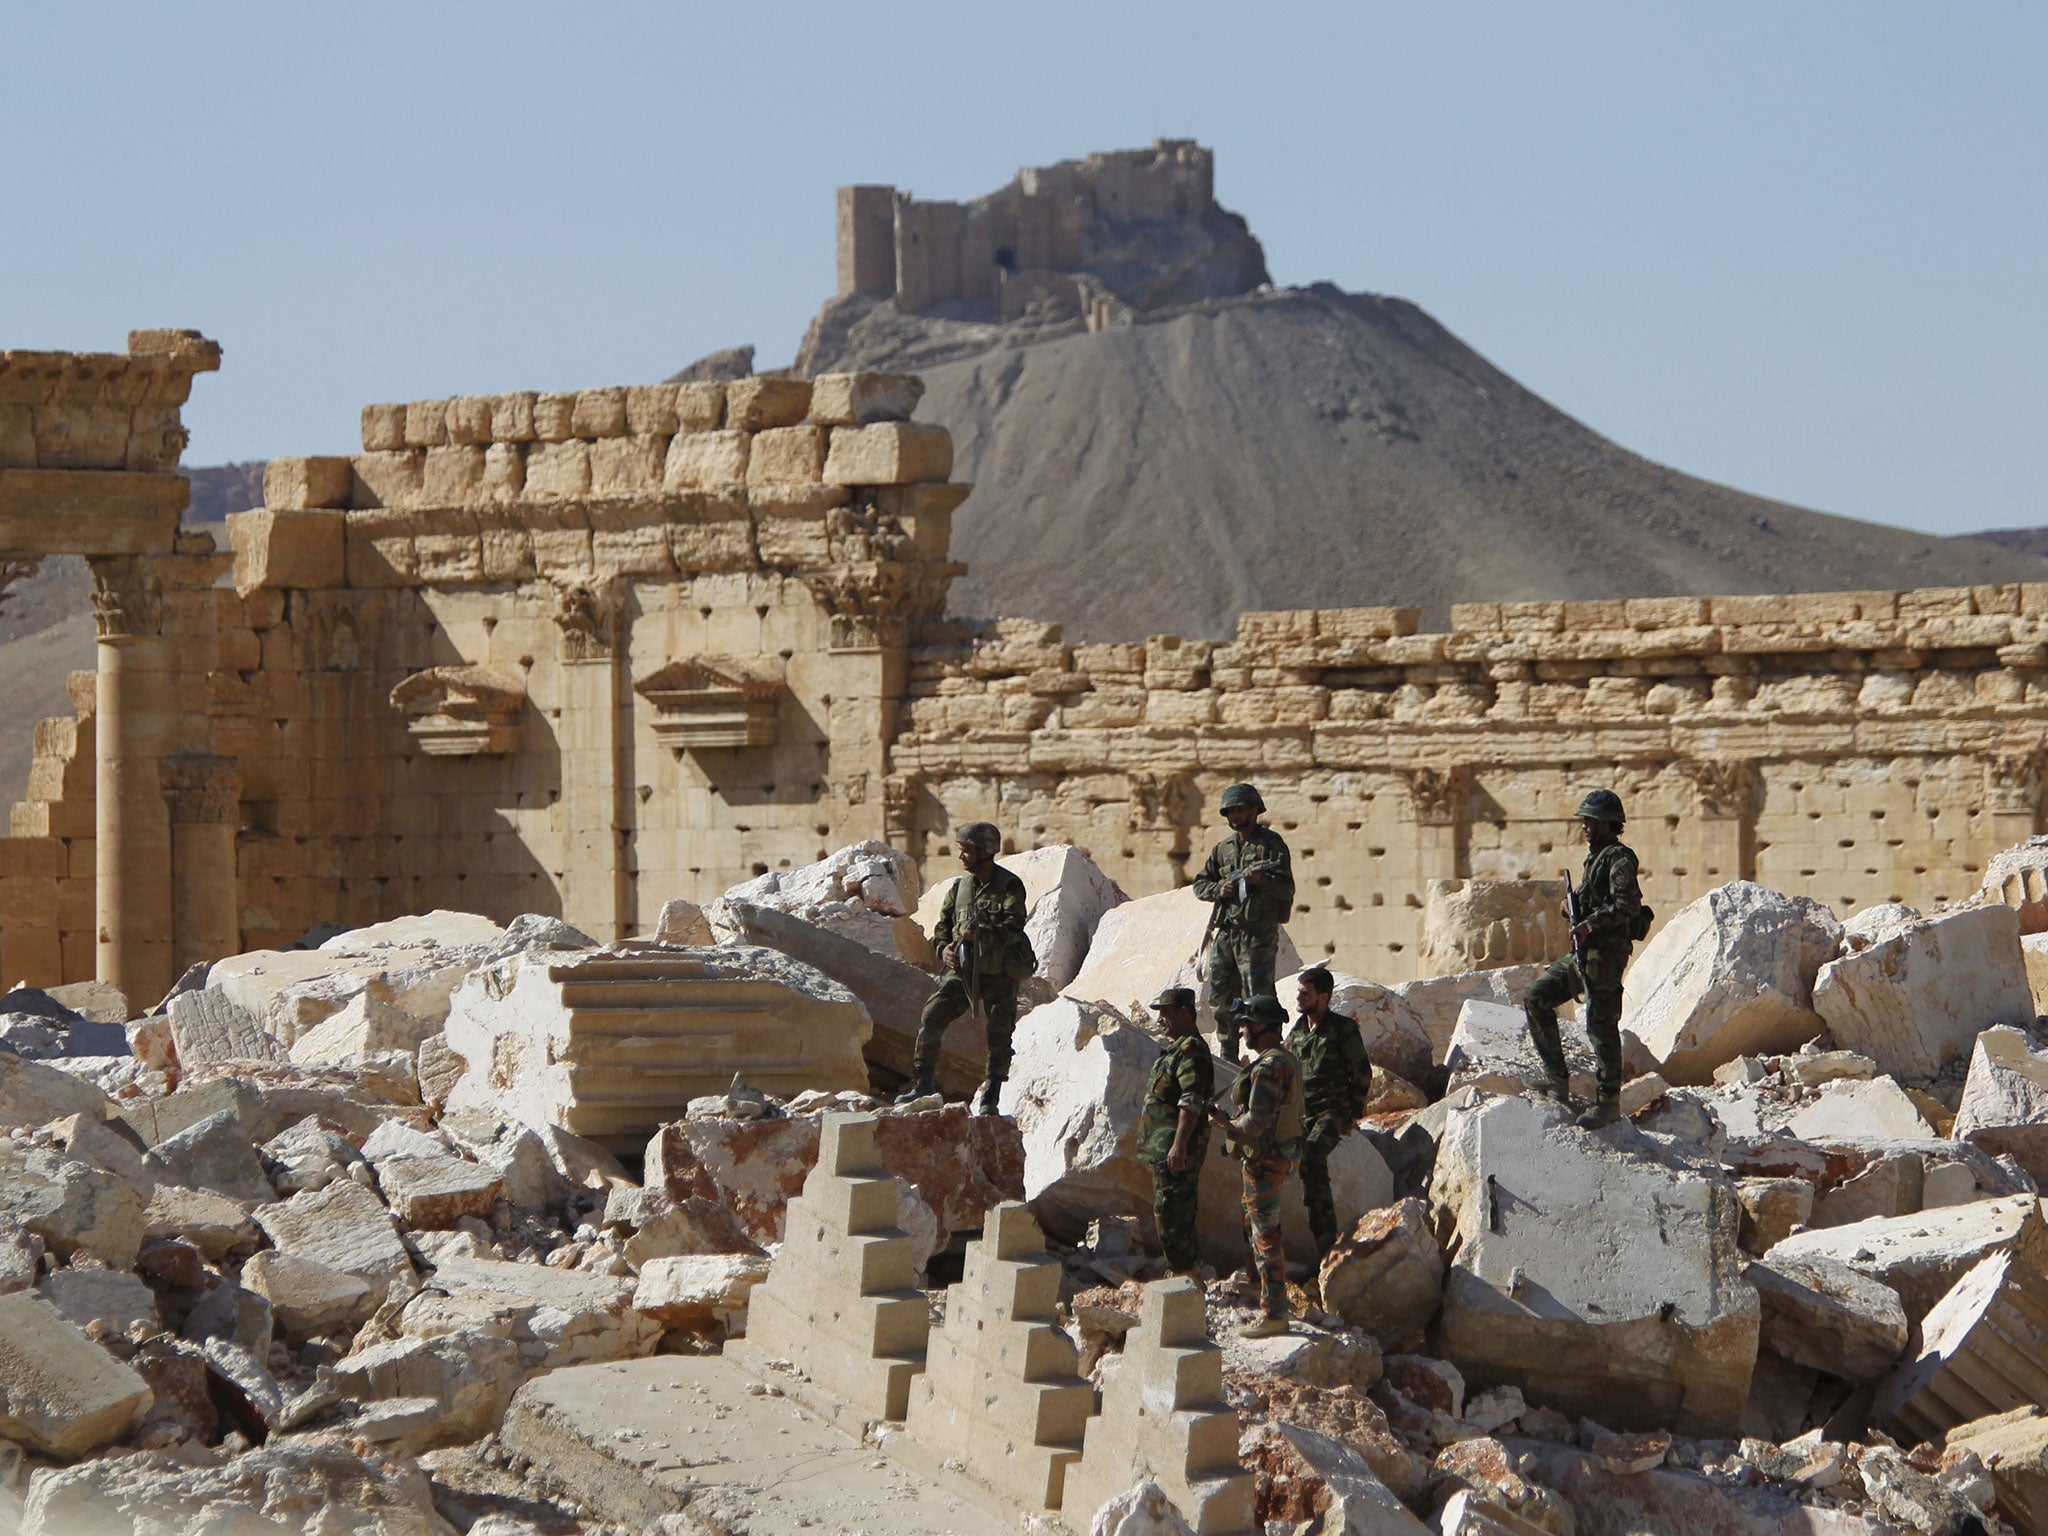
(1438, 798)
(132, 853)
(595, 735)
(1723, 821)
(204, 796)
(2012, 798)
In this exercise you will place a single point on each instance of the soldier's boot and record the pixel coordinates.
(991, 1092)
(1268, 1327)
(1556, 1088)
(923, 1083)
(1603, 1113)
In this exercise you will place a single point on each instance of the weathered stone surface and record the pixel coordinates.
(605, 1043)
(1483, 925)
(858, 892)
(308, 1155)
(437, 1192)
(1983, 1348)
(1142, 947)
(307, 1296)
(1434, 1003)
(69, 1205)
(1662, 1331)
(556, 1316)
(1862, 929)
(342, 1226)
(1065, 892)
(1492, 1049)
(60, 1393)
(2034, 952)
(212, 1224)
(683, 922)
(265, 1096)
(33, 1094)
(1889, 1186)
(1825, 1315)
(466, 1378)
(2018, 877)
(215, 1154)
(1342, 1413)
(1302, 1476)
(1308, 1355)
(1729, 975)
(1915, 1002)
(208, 1025)
(1386, 1275)
(2005, 1101)
(112, 1298)
(859, 399)
(363, 1026)
(2014, 1449)
(303, 1485)
(697, 1291)
(1922, 1256)
(1847, 1109)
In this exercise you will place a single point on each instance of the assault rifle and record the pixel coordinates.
(1242, 883)
(1571, 915)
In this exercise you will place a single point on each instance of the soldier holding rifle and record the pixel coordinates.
(1250, 879)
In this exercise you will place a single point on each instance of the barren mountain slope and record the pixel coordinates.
(1311, 448)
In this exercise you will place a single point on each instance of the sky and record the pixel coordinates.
(1799, 249)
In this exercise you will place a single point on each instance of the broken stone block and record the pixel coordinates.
(1916, 1001)
(1142, 947)
(1662, 1332)
(605, 1043)
(1922, 1256)
(342, 1226)
(69, 1205)
(1728, 975)
(698, 1292)
(1983, 1349)
(436, 1192)
(683, 922)
(1479, 925)
(2018, 878)
(556, 1316)
(1000, 1393)
(1164, 1416)
(212, 1224)
(889, 453)
(208, 1025)
(2014, 1448)
(21, 1257)
(215, 1154)
(2005, 1101)
(1432, 1005)
(1491, 1049)
(1771, 1208)
(466, 1378)
(306, 1156)
(656, 1227)
(841, 1297)
(1386, 1275)
(1888, 1186)
(1311, 1356)
(305, 1295)
(364, 1026)
(857, 892)
(1847, 1109)
(1824, 1315)
(110, 1297)
(265, 1096)
(860, 399)
(60, 1394)
(1810, 1068)
(1301, 1476)
(1466, 1513)
(1066, 894)
(32, 1094)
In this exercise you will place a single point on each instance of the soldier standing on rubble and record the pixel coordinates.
(1250, 879)
(1336, 1080)
(1173, 1132)
(1611, 917)
(980, 935)
(1265, 1132)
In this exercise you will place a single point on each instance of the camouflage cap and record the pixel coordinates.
(980, 834)
(1602, 805)
(1242, 794)
(1265, 1009)
(1176, 997)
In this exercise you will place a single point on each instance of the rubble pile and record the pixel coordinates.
(300, 1242)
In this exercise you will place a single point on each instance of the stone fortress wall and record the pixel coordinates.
(582, 653)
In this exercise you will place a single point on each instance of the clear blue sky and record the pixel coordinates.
(1798, 248)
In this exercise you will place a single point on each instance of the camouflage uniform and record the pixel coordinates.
(1267, 1131)
(996, 910)
(1244, 938)
(1184, 1077)
(1609, 899)
(1336, 1080)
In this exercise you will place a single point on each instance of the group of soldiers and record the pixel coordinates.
(1304, 1087)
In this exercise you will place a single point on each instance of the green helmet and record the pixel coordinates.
(1265, 1009)
(1242, 794)
(1602, 805)
(980, 834)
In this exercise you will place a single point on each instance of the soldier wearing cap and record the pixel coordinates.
(1173, 1131)
(1250, 879)
(980, 936)
(1263, 1128)
(1611, 918)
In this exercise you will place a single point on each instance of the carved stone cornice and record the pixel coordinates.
(588, 616)
(877, 603)
(462, 711)
(1724, 789)
(1438, 795)
(127, 597)
(201, 789)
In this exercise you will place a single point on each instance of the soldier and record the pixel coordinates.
(1250, 878)
(1266, 1133)
(1173, 1133)
(980, 935)
(1336, 1079)
(1611, 917)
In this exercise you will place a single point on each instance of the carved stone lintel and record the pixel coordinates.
(705, 702)
(588, 616)
(2012, 782)
(1438, 795)
(127, 597)
(201, 789)
(462, 711)
(1723, 789)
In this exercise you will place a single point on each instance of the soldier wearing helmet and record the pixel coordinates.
(980, 936)
(1611, 918)
(1250, 879)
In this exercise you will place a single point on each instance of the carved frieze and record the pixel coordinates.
(1724, 789)
(587, 615)
(462, 711)
(1438, 795)
(127, 597)
(707, 702)
(2012, 782)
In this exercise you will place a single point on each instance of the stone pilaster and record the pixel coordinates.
(136, 730)
(1437, 797)
(203, 795)
(2012, 797)
(1723, 816)
(595, 743)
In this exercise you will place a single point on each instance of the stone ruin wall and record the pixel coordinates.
(582, 653)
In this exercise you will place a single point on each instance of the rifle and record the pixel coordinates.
(1242, 883)
(968, 953)
(1571, 915)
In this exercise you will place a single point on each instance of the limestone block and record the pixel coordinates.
(1983, 1349)
(1491, 1049)
(383, 428)
(1386, 1275)
(1164, 1417)
(651, 409)
(342, 1226)
(288, 549)
(208, 1025)
(117, 1301)
(467, 419)
(1663, 1332)
(32, 1094)
(698, 1291)
(554, 416)
(1066, 892)
(754, 404)
(302, 484)
(1889, 1186)
(858, 399)
(619, 465)
(1432, 1005)
(433, 1193)
(17, 436)
(2005, 1101)
(426, 423)
(1921, 1256)
(841, 1296)
(1848, 1109)
(1478, 925)
(2014, 1449)
(1826, 1316)
(394, 479)
(2018, 877)
(706, 459)
(306, 1296)
(1916, 1001)
(1000, 1394)
(504, 477)
(700, 407)
(787, 456)
(512, 417)
(451, 475)
(211, 1224)
(857, 892)
(683, 922)
(557, 1317)
(1728, 975)
(69, 1205)
(60, 1394)
(1142, 947)
(889, 453)
(216, 1154)
(599, 413)
(365, 1025)
(1862, 929)
(558, 469)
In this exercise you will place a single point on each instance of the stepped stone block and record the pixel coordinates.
(1000, 1393)
(1984, 1351)
(1164, 1417)
(842, 1301)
